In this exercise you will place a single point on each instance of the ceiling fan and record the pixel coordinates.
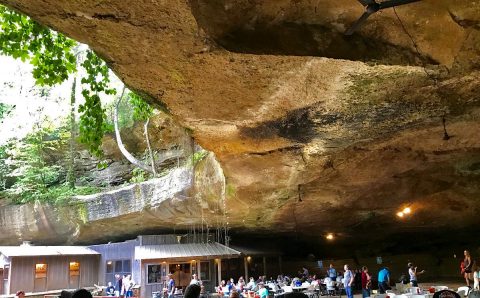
(372, 7)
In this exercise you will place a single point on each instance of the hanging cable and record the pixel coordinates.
(446, 137)
(415, 46)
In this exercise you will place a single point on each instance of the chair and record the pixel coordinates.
(414, 290)
(330, 286)
(466, 291)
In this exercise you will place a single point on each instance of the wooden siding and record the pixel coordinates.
(117, 251)
(147, 289)
(22, 275)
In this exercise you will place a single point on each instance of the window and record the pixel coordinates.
(109, 267)
(120, 267)
(154, 274)
(204, 270)
(126, 266)
(40, 270)
(74, 268)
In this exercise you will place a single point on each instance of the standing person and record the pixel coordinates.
(476, 277)
(118, 285)
(383, 280)
(129, 286)
(467, 263)
(305, 272)
(413, 273)
(332, 273)
(358, 279)
(123, 292)
(348, 281)
(170, 286)
(366, 282)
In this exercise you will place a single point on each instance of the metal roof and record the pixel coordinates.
(31, 250)
(188, 250)
(251, 251)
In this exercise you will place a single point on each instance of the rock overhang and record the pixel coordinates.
(347, 138)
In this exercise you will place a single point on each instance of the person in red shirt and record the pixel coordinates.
(366, 282)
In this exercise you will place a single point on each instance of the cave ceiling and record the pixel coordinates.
(315, 130)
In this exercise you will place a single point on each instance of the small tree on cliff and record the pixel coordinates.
(141, 111)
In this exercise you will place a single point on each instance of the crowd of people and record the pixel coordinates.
(348, 280)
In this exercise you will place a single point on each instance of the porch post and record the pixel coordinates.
(264, 266)
(219, 269)
(245, 265)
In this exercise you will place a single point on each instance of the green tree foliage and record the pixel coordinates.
(53, 59)
(4, 168)
(93, 123)
(33, 173)
(5, 110)
(38, 176)
(50, 53)
(142, 111)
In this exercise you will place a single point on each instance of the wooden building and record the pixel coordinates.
(36, 269)
(150, 258)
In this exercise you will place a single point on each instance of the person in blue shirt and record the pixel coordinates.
(332, 273)
(170, 286)
(110, 290)
(383, 280)
(348, 281)
(262, 291)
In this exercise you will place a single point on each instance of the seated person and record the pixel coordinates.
(110, 290)
(262, 291)
(251, 284)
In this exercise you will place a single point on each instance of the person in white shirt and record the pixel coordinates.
(251, 284)
(412, 271)
(195, 280)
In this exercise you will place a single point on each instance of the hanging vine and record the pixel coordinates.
(92, 118)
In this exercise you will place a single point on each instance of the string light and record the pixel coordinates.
(329, 236)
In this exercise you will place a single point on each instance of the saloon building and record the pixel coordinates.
(38, 269)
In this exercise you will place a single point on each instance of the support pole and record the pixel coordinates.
(245, 265)
(265, 266)
(219, 268)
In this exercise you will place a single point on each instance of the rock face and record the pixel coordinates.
(315, 131)
(157, 204)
